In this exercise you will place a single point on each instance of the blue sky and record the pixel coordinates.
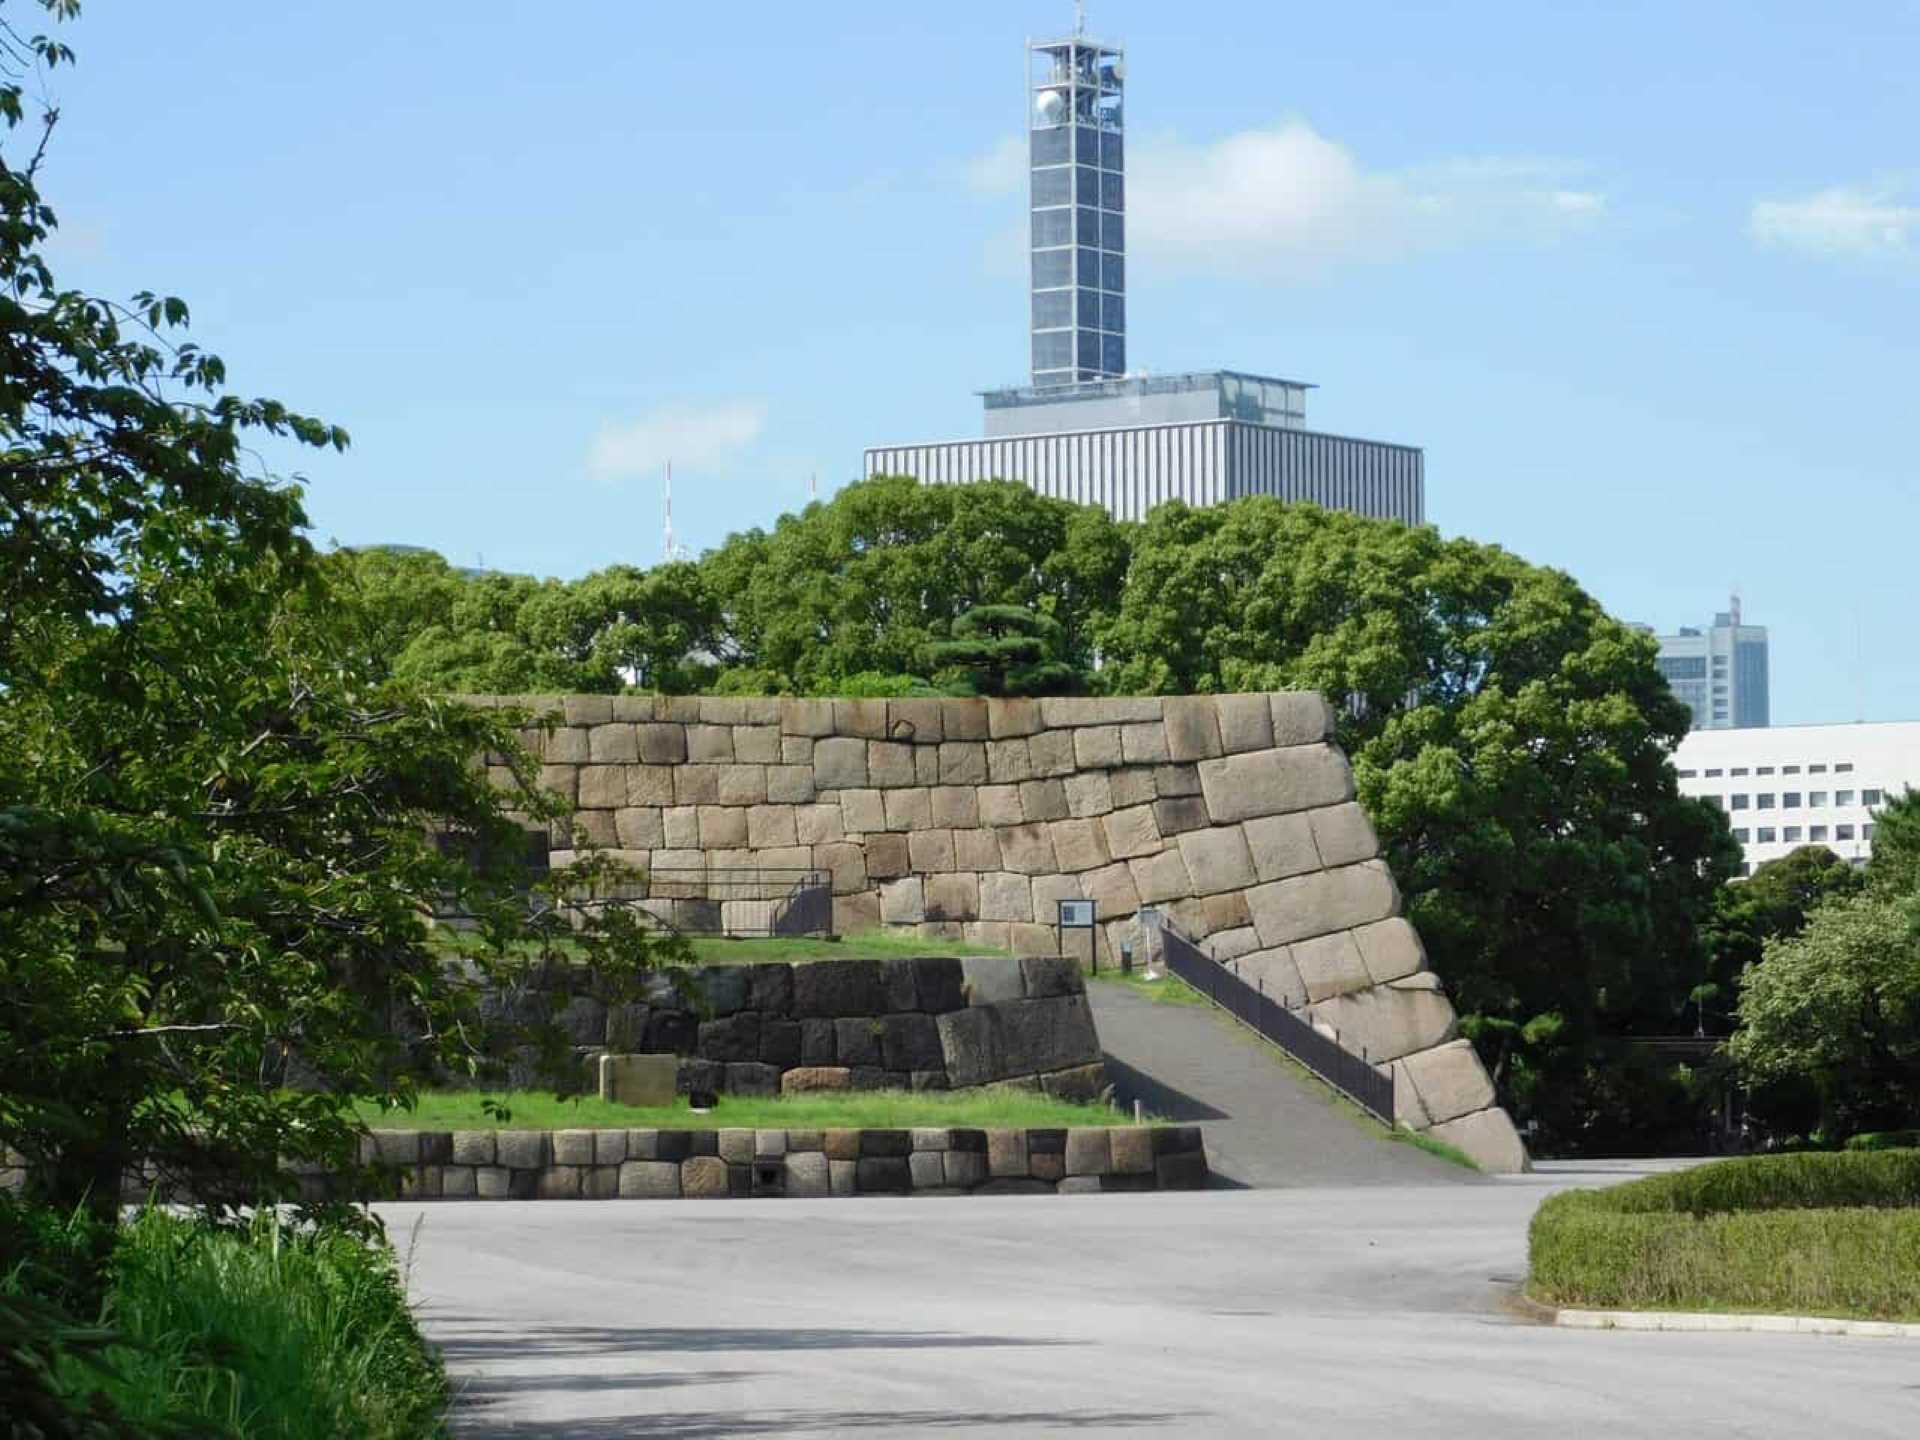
(1643, 279)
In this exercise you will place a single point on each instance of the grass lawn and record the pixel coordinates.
(1168, 990)
(994, 1107)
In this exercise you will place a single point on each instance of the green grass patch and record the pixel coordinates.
(1452, 1154)
(990, 1107)
(1168, 990)
(1815, 1234)
(266, 1331)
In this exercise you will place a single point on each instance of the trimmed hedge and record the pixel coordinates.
(1796, 1234)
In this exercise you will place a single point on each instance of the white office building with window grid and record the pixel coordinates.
(1791, 785)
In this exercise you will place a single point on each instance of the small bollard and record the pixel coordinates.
(1126, 957)
(1139, 1113)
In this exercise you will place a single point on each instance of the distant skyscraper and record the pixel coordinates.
(1720, 672)
(1077, 198)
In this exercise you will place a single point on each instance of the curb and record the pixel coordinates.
(1648, 1320)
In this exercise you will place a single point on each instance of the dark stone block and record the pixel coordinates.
(931, 1080)
(886, 1142)
(675, 1144)
(938, 979)
(857, 1042)
(1181, 1172)
(816, 1043)
(968, 1046)
(699, 1075)
(899, 1080)
(723, 988)
(911, 1042)
(669, 989)
(700, 1142)
(1011, 1186)
(739, 1181)
(902, 993)
(582, 1019)
(1176, 817)
(436, 1147)
(1111, 1184)
(868, 1077)
(1049, 975)
(1035, 1036)
(770, 989)
(1046, 1142)
(885, 1176)
(838, 987)
(670, 1032)
(752, 1078)
(970, 1142)
(627, 1027)
(523, 1184)
(780, 1042)
(1175, 1139)
(735, 1038)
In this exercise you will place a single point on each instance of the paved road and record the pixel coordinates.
(1265, 1126)
(1332, 1312)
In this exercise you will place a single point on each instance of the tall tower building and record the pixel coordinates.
(1720, 671)
(1077, 201)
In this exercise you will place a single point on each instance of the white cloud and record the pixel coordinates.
(1285, 202)
(1001, 169)
(1843, 220)
(696, 437)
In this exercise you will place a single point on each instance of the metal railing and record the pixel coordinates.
(1347, 1072)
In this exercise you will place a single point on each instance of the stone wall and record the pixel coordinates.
(926, 1023)
(722, 1164)
(969, 819)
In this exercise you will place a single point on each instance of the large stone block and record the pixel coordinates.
(649, 1179)
(1281, 845)
(1181, 814)
(953, 897)
(1006, 897)
(1132, 1149)
(708, 744)
(968, 1047)
(1012, 717)
(1273, 973)
(903, 901)
(737, 1037)
(1088, 1152)
(682, 826)
(1193, 728)
(920, 721)
(1275, 782)
(889, 764)
(806, 717)
(1384, 1023)
(864, 718)
(520, 1149)
(1099, 710)
(1231, 944)
(1097, 747)
(771, 825)
(1217, 860)
(818, 824)
(649, 784)
(1160, 878)
(1489, 1137)
(856, 914)
(1052, 753)
(811, 1079)
(663, 744)
(938, 982)
(696, 784)
(963, 762)
(574, 1147)
(857, 1041)
(909, 809)
(587, 709)
(1131, 787)
(1144, 744)
(757, 744)
(1330, 965)
(1007, 1154)
(722, 827)
(954, 807)
(640, 828)
(1343, 835)
(1079, 845)
(1049, 976)
(1027, 849)
(911, 1042)
(846, 863)
(977, 850)
(475, 1147)
(964, 719)
(1226, 911)
(613, 745)
(1132, 832)
(703, 1177)
(790, 784)
(1000, 805)
(1390, 949)
(602, 787)
(1112, 891)
(742, 785)
(840, 763)
(1449, 1079)
(1246, 722)
(1009, 762)
(863, 811)
(1318, 902)
(1038, 1036)
(992, 979)
(1042, 800)
(888, 856)
(837, 988)
(1089, 795)
(807, 1175)
(1301, 718)
(565, 746)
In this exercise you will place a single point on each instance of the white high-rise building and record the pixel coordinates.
(1720, 671)
(1793, 785)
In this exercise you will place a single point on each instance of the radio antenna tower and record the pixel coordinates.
(669, 550)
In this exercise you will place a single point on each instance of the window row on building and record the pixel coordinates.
(1791, 834)
(1797, 800)
(1843, 767)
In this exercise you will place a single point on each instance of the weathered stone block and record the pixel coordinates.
(736, 1145)
(963, 762)
(1097, 747)
(1144, 744)
(1315, 903)
(1027, 849)
(1052, 753)
(889, 764)
(769, 1144)
(1160, 878)
(1301, 718)
(1049, 1169)
(838, 987)
(1384, 1023)
(1000, 805)
(846, 863)
(640, 828)
(963, 1169)
(560, 1182)
(1391, 949)
(1048, 976)
(967, 1045)
(991, 979)
(812, 1079)
(602, 787)
(567, 745)
(816, 1043)
(663, 744)
(807, 1175)
(771, 825)
(1089, 795)
(737, 1037)
(1112, 890)
(954, 806)
(1449, 1080)
(976, 850)
(903, 901)
(818, 824)
(561, 780)
(931, 1137)
(910, 809)
(1007, 1154)
(938, 982)
(574, 1147)
(1232, 944)
(1042, 800)
(840, 763)
(856, 914)
(863, 811)
(911, 1042)
(722, 827)
(1037, 1036)
(1281, 845)
(682, 826)
(696, 784)
(888, 856)
(926, 1169)
(709, 744)
(642, 1079)
(953, 897)
(790, 784)
(1131, 832)
(1006, 897)
(456, 1182)
(1008, 762)
(587, 709)
(1131, 787)
(1274, 973)
(609, 1147)
(841, 1178)
(1227, 911)
(743, 785)
(1330, 965)
(703, 1177)
(1181, 814)
(472, 1147)
(1088, 1152)
(757, 744)
(1246, 722)
(648, 785)
(1343, 835)
(1034, 939)
(1193, 728)
(857, 1041)
(1275, 782)
(1216, 860)
(796, 750)
(750, 1077)
(1016, 716)
(841, 1144)
(1132, 1149)
(806, 717)
(520, 1149)
(1489, 1138)
(491, 1182)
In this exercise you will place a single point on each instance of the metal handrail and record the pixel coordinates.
(1352, 1075)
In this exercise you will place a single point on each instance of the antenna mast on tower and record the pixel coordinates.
(670, 550)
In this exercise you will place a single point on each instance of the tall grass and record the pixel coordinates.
(271, 1332)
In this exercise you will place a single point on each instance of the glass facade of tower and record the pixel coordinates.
(1078, 204)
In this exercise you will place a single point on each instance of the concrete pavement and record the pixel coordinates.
(1329, 1312)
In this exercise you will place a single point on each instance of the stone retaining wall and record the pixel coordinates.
(723, 1164)
(969, 819)
(925, 1023)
